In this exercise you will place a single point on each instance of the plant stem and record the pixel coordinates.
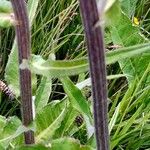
(96, 51)
(23, 39)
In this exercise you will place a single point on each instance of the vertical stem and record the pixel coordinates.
(95, 43)
(23, 39)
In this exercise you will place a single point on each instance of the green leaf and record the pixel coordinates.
(113, 12)
(49, 119)
(2, 123)
(52, 68)
(12, 72)
(79, 102)
(128, 6)
(68, 125)
(61, 68)
(21, 129)
(68, 144)
(43, 92)
(5, 6)
(125, 34)
(33, 147)
(11, 125)
(76, 98)
(9, 131)
(127, 52)
(12, 68)
(49, 132)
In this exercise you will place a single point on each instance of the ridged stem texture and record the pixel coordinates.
(96, 52)
(23, 41)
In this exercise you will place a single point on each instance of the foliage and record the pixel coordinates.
(63, 108)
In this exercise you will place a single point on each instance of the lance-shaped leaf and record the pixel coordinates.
(76, 98)
(43, 93)
(49, 119)
(127, 52)
(61, 68)
(52, 68)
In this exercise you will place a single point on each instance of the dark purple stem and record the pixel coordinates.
(23, 39)
(96, 51)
